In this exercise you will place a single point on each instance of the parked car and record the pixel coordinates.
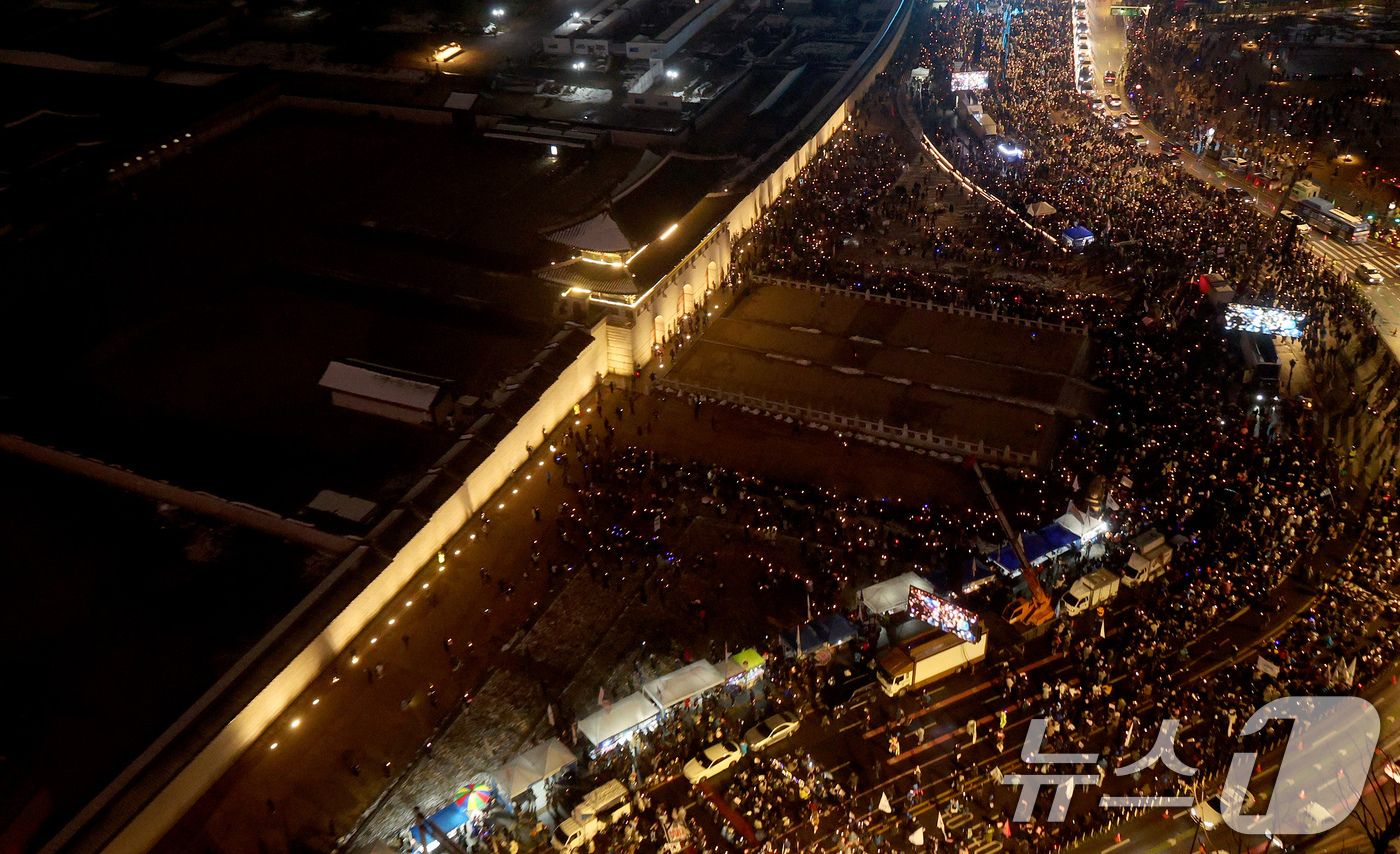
(1114, 101)
(1110, 77)
(713, 760)
(772, 730)
(1138, 139)
(1237, 194)
(1132, 119)
(1234, 164)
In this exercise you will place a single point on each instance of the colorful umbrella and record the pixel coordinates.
(474, 797)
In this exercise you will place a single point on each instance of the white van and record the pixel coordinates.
(609, 803)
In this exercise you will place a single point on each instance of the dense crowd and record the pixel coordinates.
(1241, 482)
(1246, 492)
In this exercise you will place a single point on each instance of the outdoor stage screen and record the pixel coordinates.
(969, 80)
(947, 616)
(1269, 321)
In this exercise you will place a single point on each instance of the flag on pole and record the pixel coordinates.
(603, 700)
(941, 829)
(885, 803)
(1006, 828)
(1103, 630)
(549, 710)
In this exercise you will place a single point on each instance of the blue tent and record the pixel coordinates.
(1076, 237)
(822, 633)
(1048, 542)
(447, 819)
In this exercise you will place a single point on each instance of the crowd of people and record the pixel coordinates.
(1248, 494)
(1244, 484)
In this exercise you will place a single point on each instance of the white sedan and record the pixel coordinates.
(772, 730)
(712, 760)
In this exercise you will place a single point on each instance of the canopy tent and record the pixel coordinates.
(1040, 209)
(540, 762)
(447, 819)
(822, 633)
(742, 662)
(1077, 237)
(680, 685)
(892, 595)
(625, 715)
(1050, 541)
(1085, 526)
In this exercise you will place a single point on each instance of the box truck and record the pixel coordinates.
(1148, 558)
(601, 807)
(925, 657)
(1091, 591)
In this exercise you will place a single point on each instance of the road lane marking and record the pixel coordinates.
(1118, 845)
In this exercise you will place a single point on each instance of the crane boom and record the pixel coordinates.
(1036, 610)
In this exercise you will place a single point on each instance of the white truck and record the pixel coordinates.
(1088, 592)
(1149, 558)
(925, 657)
(601, 807)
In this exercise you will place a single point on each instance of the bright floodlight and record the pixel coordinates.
(672, 75)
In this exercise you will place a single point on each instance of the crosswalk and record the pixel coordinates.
(1376, 254)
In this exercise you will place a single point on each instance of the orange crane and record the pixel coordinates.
(1037, 609)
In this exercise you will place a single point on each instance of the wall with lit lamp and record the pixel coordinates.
(180, 794)
(659, 310)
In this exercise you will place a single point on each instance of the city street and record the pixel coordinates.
(1152, 833)
(1107, 37)
(957, 774)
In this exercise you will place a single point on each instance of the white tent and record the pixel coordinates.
(680, 685)
(1040, 209)
(540, 762)
(1085, 526)
(892, 595)
(625, 715)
